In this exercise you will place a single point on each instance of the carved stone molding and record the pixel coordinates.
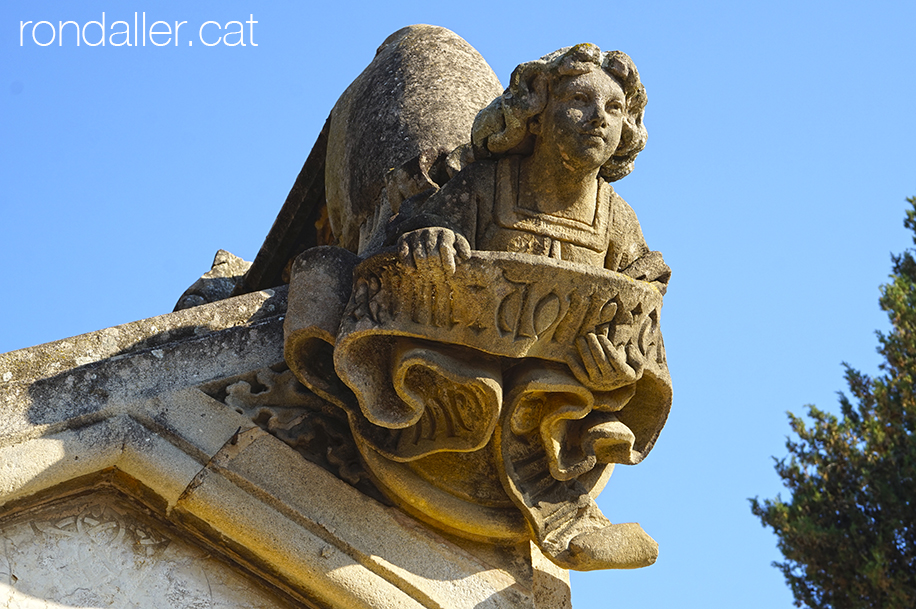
(134, 418)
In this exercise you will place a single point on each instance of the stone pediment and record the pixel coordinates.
(100, 549)
(172, 415)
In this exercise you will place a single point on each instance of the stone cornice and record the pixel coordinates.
(127, 399)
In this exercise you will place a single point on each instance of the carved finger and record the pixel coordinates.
(447, 250)
(588, 357)
(417, 251)
(429, 239)
(426, 247)
(601, 356)
(576, 365)
(637, 360)
(462, 247)
(614, 354)
(404, 251)
(618, 360)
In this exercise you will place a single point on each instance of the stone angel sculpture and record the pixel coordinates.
(493, 333)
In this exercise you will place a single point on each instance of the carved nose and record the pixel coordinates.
(599, 119)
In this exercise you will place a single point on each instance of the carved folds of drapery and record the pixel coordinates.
(428, 362)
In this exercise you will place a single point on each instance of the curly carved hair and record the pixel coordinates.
(502, 127)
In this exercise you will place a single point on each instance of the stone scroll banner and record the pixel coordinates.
(405, 334)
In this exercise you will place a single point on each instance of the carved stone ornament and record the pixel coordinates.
(490, 326)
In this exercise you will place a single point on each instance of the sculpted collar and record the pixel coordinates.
(509, 212)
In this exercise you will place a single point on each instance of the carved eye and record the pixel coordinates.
(580, 98)
(614, 107)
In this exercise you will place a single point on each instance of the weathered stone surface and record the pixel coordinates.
(508, 350)
(421, 92)
(171, 424)
(273, 399)
(19, 369)
(216, 284)
(100, 551)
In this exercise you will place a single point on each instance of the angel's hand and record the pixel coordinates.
(605, 366)
(433, 249)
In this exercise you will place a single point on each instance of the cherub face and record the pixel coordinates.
(582, 122)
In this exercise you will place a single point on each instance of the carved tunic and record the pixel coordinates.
(482, 203)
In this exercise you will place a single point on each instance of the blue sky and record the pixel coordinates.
(781, 150)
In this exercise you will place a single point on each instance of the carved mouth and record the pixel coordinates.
(595, 135)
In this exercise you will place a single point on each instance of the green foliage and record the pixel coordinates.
(848, 532)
